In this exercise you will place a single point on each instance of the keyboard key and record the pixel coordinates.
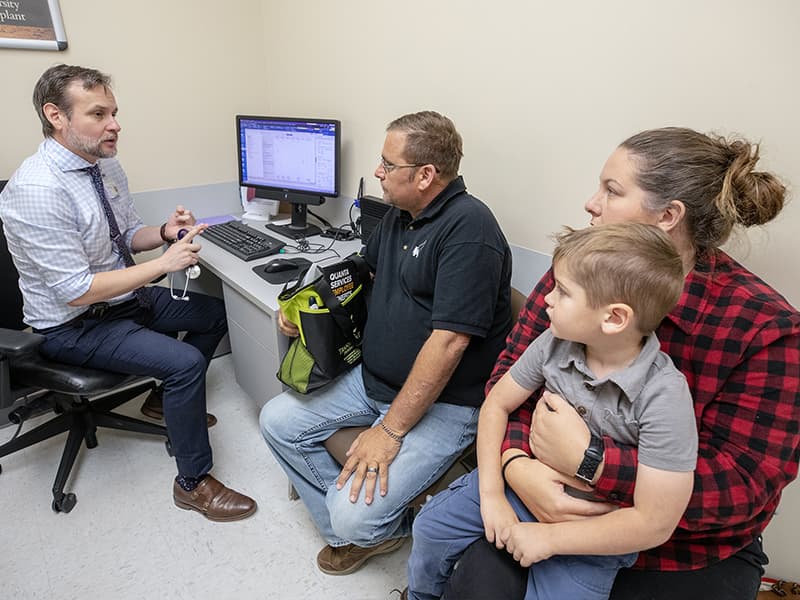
(242, 241)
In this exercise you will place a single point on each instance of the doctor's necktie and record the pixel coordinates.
(142, 294)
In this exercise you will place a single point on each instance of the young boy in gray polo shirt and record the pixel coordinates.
(601, 362)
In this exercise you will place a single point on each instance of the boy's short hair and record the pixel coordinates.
(632, 263)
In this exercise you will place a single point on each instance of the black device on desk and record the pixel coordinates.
(295, 160)
(281, 270)
(242, 240)
(372, 212)
(339, 233)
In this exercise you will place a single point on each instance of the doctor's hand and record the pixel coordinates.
(368, 461)
(286, 327)
(183, 253)
(182, 218)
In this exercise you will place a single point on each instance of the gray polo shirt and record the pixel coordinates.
(647, 404)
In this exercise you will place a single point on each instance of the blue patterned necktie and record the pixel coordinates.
(142, 294)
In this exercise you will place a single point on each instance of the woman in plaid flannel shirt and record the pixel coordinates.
(735, 339)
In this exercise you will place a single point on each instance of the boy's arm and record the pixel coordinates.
(660, 498)
(506, 396)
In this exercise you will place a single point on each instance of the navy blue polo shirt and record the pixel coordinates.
(450, 268)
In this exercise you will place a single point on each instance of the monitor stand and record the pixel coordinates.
(291, 232)
(299, 227)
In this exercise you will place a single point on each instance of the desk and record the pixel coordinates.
(251, 305)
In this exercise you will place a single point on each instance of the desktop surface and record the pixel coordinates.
(239, 275)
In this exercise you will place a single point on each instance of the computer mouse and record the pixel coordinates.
(279, 264)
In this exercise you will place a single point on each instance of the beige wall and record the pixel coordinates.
(181, 69)
(541, 91)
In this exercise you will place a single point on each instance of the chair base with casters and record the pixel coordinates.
(338, 444)
(83, 400)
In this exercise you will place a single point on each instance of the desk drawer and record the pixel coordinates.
(254, 365)
(250, 318)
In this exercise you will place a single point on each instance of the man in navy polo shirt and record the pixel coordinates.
(438, 317)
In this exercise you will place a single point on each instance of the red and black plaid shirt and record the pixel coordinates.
(737, 341)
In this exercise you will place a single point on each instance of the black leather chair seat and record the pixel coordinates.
(34, 370)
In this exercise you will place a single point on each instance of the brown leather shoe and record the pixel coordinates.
(778, 589)
(349, 558)
(214, 501)
(153, 407)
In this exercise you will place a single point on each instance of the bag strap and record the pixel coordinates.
(361, 266)
(341, 316)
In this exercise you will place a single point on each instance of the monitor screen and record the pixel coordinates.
(294, 156)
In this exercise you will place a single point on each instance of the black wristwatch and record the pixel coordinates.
(163, 232)
(592, 457)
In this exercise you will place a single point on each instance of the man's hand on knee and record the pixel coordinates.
(368, 461)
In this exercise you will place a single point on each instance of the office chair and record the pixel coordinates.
(339, 443)
(82, 399)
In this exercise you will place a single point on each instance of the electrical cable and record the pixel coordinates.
(16, 433)
(320, 219)
(355, 226)
(19, 415)
(303, 246)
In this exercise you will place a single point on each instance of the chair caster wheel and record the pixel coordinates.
(64, 504)
(169, 448)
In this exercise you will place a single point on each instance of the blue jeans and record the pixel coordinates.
(136, 344)
(295, 426)
(451, 521)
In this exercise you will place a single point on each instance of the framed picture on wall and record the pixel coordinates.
(32, 25)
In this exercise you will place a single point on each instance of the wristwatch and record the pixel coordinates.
(592, 457)
(163, 232)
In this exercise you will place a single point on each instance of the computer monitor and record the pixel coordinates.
(293, 160)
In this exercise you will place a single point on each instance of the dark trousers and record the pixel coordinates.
(143, 343)
(485, 572)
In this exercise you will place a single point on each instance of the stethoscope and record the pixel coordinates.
(192, 272)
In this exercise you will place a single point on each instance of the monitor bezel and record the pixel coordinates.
(288, 194)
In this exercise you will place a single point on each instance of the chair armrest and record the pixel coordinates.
(18, 343)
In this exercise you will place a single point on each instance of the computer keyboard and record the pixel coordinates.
(242, 240)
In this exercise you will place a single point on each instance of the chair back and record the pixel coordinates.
(10, 296)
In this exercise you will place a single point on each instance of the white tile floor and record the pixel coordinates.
(125, 539)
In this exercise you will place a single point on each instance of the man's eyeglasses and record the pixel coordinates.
(389, 167)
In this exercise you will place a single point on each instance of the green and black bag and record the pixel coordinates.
(330, 312)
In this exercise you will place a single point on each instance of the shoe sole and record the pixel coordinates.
(157, 416)
(356, 566)
(151, 414)
(186, 506)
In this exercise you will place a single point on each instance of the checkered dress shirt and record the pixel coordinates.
(57, 232)
(737, 341)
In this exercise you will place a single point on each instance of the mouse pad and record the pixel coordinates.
(282, 276)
